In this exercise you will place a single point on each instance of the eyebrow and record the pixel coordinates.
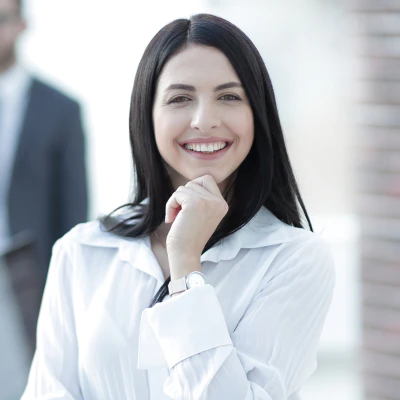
(191, 88)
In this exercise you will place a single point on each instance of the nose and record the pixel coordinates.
(205, 117)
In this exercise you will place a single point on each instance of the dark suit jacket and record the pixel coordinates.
(48, 190)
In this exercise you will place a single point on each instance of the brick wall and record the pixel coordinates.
(377, 98)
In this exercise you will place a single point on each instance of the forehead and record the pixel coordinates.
(8, 5)
(198, 65)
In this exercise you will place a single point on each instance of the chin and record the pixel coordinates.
(181, 178)
(217, 177)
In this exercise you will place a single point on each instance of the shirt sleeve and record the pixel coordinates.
(53, 373)
(271, 352)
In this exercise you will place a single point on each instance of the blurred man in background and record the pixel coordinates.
(43, 177)
(43, 190)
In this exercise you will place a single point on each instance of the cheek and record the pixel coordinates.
(167, 130)
(167, 126)
(241, 124)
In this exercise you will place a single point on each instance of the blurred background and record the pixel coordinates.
(335, 67)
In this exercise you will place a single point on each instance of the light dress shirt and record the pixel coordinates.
(14, 87)
(250, 333)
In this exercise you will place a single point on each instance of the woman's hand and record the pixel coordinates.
(195, 211)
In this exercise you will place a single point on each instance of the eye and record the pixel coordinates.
(179, 99)
(230, 97)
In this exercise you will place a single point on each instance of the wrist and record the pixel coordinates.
(176, 294)
(193, 279)
(182, 266)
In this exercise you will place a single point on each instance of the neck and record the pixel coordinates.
(162, 232)
(7, 64)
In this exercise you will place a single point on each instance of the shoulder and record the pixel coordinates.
(89, 243)
(307, 255)
(302, 239)
(266, 229)
(306, 244)
(92, 234)
(89, 238)
(52, 94)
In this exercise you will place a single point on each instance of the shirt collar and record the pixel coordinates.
(13, 81)
(264, 229)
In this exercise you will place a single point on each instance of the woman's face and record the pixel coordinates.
(199, 96)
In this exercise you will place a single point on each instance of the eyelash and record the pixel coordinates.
(173, 100)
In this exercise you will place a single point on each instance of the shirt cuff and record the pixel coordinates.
(181, 327)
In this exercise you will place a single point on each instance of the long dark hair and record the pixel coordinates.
(265, 177)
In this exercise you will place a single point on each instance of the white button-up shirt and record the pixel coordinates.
(250, 333)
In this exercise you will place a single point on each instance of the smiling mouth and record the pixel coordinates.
(206, 152)
(226, 145)
(208, 155)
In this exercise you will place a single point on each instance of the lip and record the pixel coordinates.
(211, 156)
(211, 139)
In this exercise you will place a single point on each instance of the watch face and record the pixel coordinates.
(195, 280)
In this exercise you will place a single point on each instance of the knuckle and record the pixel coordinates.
(200, 202)
(223, 206)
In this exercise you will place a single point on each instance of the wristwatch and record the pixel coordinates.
(195, 278)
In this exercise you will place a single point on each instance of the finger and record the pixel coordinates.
(208, 182)
(201, 190)
(177, 201)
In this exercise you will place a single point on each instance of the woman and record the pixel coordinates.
(207, 286)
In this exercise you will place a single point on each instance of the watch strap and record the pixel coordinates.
(178, 285)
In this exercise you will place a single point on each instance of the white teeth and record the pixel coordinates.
(206, 148)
